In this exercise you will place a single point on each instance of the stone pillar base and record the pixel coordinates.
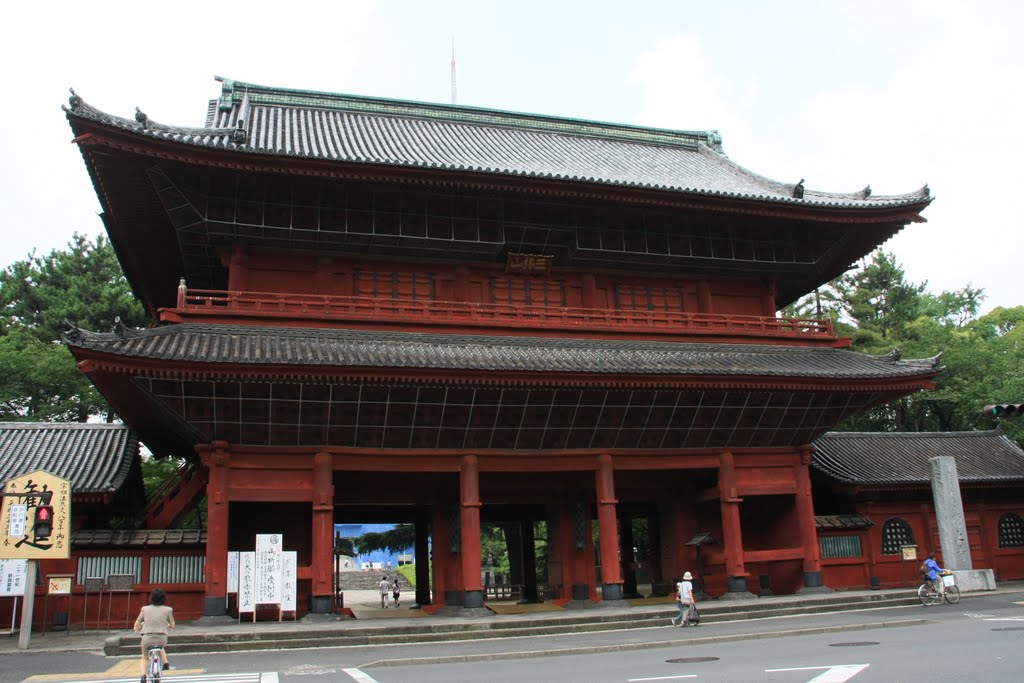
(736, 587)
(580, 591)
(969, 580)
(321, 604)
(215, 607)
(813, 583)
(453, 598)
(611, 591)
(473, 599)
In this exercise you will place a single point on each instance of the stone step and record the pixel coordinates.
(335, 635)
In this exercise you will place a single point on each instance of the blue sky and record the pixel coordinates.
(892, 94)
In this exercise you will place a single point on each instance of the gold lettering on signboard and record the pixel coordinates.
(528, 263)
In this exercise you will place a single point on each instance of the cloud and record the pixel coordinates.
(944, 111)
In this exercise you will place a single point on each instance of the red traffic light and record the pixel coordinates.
(43, 526)
(1003, 410)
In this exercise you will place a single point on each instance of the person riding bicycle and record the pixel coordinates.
(933, 573)
(155, 619)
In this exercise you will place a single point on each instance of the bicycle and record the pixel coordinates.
(928, 596)
(153, 666)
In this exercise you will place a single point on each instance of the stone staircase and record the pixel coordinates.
(340, 634)
(369, 580)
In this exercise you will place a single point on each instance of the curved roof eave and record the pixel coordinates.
(696, 168)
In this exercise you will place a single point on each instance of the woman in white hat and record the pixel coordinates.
(684, 600)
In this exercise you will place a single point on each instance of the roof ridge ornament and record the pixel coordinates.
(715, 140)
(867, 191)
(74, 101)
(798, 189)
(141, 118)
(227, 91)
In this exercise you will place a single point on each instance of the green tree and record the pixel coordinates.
(879, 300)
(83, 285)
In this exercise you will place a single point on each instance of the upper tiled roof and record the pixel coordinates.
(250, 118)
(901, 458)
(263, 346)
(95, 458)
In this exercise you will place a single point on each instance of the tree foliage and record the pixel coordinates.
(83, 285)
(982, 358)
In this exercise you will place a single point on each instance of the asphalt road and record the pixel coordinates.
(979, 640)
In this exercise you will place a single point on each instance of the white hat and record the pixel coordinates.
(687, 576)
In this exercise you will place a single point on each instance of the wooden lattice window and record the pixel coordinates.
(1011, 531)
(896, 533)
(835, 547)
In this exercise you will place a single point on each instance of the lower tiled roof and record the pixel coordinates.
(902, 458)
(318, 348)
(138, 538)
(842, 522)
(95, 458)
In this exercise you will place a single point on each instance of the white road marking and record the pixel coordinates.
(1005, 619)
(838, 673)
(359, 676)
(660, 678)
(195, 678)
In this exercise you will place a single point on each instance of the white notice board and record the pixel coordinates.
(12, 577)
(246, 582)
(288, 580)
(233, 572)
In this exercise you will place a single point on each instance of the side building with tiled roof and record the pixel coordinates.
(884, 480)
(102, 463)
(549, 324)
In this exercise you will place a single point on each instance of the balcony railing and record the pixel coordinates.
(202, 302)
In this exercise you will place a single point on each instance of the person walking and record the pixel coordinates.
(385, 588)
(396, 591)
(684, 600)
(155, 620)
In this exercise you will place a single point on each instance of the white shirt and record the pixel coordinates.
(685, 592)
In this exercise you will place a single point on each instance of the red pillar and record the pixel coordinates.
(611, 572)
(805, 521)
(469, 494)
(217, 460)
(736, 575)
(323, 533)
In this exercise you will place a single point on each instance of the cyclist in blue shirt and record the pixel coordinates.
(933, 573)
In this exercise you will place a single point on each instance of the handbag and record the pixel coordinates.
(694, 616)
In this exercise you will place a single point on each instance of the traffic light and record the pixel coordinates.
(1003, 410)
(44, 523)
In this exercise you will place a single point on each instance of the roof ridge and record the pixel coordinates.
(233, 92)
(964, 433)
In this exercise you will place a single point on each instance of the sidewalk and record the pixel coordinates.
(455, 628)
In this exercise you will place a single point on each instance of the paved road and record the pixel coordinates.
(613, 655)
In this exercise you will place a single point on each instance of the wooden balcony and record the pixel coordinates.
(195, 305)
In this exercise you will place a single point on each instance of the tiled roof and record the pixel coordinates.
(842, 522)
(138, 538)
(254, 119)
(318, 348)
(899, 459)
(95, 458)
